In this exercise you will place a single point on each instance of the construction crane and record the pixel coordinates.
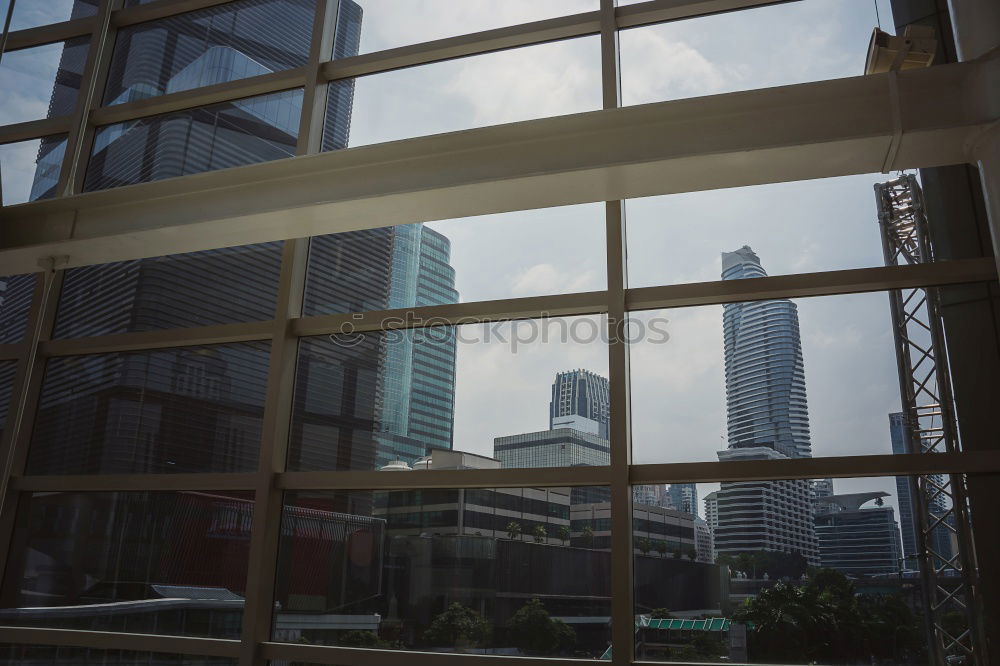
(948, 574)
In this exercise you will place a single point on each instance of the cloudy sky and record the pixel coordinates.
(678, 387)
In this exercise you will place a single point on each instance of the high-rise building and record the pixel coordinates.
(858, 541)
(561, 447)
(409, 408)
(580, 400)
(704, 547)
(767, 418)
(765, 374)
(683, 497)
(899, 437)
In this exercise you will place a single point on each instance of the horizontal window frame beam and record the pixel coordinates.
(183, 100)
(456, 314)
(461, 46)
(14, 351)
(709, 471)
(49, 34)
(666, 11)
(35, 129)
(202, 481)
(344, 656)
(838, 467)
(112, 640)
(162, 339)
(804, 285)
(159, 9)
(798, 132)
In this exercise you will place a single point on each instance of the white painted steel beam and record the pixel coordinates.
(811, 130)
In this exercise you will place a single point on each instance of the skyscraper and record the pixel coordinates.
(356, 407)
(858, 541)
(684, 497)
(767, 418)
(580, 400)
(765, 374)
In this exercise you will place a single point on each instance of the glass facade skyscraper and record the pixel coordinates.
(580, 393)
(767, 418)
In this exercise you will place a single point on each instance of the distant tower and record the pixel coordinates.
(580, 400)
(684, 497)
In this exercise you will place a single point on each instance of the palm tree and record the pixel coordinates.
(513, 530)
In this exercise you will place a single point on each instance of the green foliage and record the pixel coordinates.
(458, 626)
(825, 621)
(660, 614)
(588, 536)
(534, 632)
(661, 548)
(514, 530)
(775, 564)
(563, 534)
(361, 639)
(539, 533)
(692, 554)
(644, 545)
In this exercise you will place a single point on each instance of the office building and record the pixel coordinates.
(704, 544)
(580, 400)
(561, 447)
(856, 540)
(683, 497)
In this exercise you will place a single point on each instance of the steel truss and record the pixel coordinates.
(941, 512)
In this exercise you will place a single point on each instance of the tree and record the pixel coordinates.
(826, 621)
(661, 548)
(676, 552)
(534, 632)
(692, 554)
(539, 533)
(563, 534)
(514, 530)
(361, 639)
(643, 545)
(660, 613)
(588, 536)
(458, 626)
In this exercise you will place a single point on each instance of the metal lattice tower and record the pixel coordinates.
(950, 581)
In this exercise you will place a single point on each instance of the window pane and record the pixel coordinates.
(222, 286)
(247, 131)
(527, 253)
(29, 170)
(491, 89)
(386, 24)
(786, 43)
(7, 371)
(138, 562)
(42, 82)
(796, 227)
(364, 401)
(16, 292)
(32, 13)
(50, 655)
(228, 42)
(192, 409)
(817, 550)
(495, 571)
(779, 378)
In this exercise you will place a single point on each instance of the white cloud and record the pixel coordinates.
(547, 279)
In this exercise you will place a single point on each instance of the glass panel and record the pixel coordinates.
(43, 81)
(246, 131)
(777, 45)
(7, 371)
(34, 13)
(228, 42)
(527, 253)
(765, 379)
(796, 227)
(782, 564)
(51, 655)
(137, 562)
(461, 94)
(29, 170)
(222, 286)
(385, 24)
(192, 409)
(494, 571)
(365, 401)
(16, 292)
